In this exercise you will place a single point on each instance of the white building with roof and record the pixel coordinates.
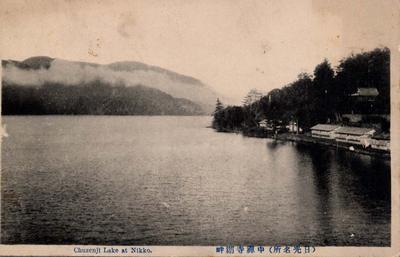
(354, 135)
(324, 131)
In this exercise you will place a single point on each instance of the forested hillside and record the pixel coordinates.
(94, 98)
(45, 85)
(319, 97)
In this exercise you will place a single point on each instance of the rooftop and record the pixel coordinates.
(325, 127)
(354, 130)
(366, 91)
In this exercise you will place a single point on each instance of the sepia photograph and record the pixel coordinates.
(251, 127)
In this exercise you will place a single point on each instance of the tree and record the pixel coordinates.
(370, 69)
(315, 99)
(217, 122)
(253, 96)
(218, 106)
(229, 118)
(322, 92)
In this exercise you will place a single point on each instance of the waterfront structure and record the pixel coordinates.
(324, 131)
(354, 135)
(380, 142)
(364, 137)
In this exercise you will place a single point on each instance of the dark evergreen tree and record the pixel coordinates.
(322, 92)
(218, 106)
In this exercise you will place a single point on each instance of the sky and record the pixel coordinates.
(233, 46)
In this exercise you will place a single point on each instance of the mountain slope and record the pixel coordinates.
(36, 71)
(95, 98)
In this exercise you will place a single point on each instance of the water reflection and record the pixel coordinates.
(350, 186)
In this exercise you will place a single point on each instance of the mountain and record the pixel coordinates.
(34, 63)
(94, 98)
(188, 95)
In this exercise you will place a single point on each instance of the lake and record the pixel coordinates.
(164, 180)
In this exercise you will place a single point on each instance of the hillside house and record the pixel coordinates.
(362, 101)
(366, 93)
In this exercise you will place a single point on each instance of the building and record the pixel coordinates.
(265, 125)
(380, 142)
(324, 131)
(366, 93)
(363, 101)
(354, 135)
(358, 118)
(292, 127)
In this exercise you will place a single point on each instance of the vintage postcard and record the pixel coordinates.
(200, 128)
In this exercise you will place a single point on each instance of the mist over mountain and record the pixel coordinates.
(39, 71)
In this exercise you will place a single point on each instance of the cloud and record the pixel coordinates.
(59, 72)
(77, 74)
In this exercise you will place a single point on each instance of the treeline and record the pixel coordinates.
(316, 98)
(94, 98)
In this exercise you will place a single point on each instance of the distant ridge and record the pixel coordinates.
(44, 62)
(40, 70)
(38, 62)
(35, 63)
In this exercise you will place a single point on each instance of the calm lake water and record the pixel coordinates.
(172, 181)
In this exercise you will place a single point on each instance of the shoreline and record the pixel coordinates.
(308, 140)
